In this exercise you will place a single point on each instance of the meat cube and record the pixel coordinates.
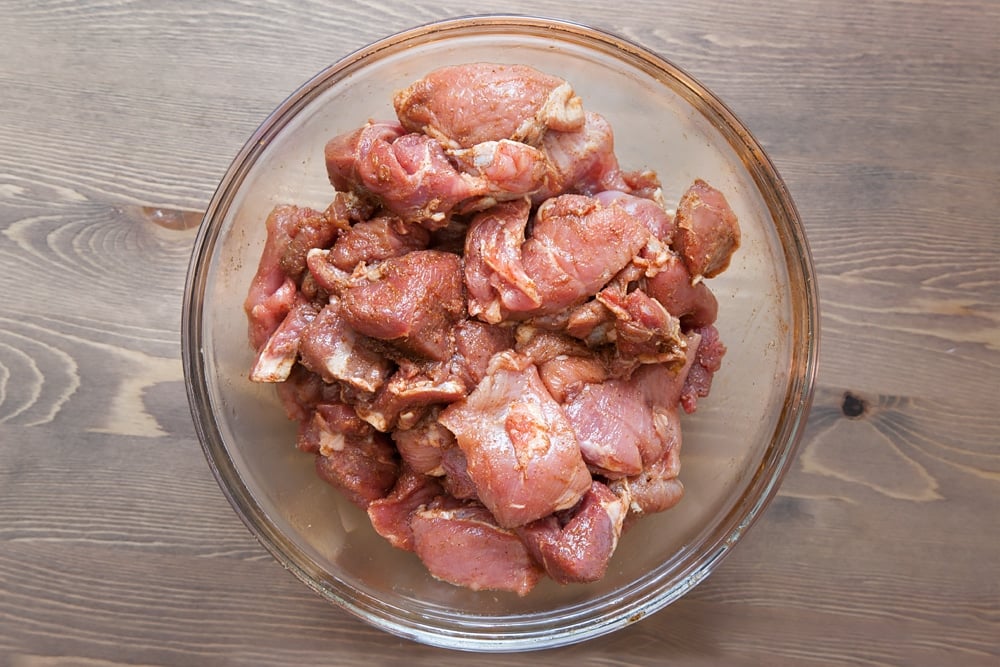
(692, 302)
(707, 230)
(363, 466)
(336, 352)
(566, 260)
(275, 359)
(272, 291)
(411, 301)
(464, 105)
(409, 174)
(707, 362)
(422, 445)
(581, 161)
(522, 454)
(391, 516)
(464, 546)
(580, 550)
(371, 241)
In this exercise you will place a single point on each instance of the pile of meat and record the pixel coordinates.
(487, 335)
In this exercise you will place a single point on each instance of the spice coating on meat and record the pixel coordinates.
(465, 105)
(489, 335)
(522, 454)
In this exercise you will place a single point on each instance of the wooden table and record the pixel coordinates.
(117, 120)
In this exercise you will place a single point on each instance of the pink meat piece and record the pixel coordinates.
(371, 241)
(494, 274)
(662, 384)
(657, 488)
(672, 286)
(708, 232)
(656, 218)
(328, 424)
(510, 167)
(464, 105)
(475, 344)
(614, 425)
(422, 445)
(276, 358)
(359, 461)
(409, 174)
(566, 259)
(579, 549)
(645, 333)
(456, 480)
(465, 546)
(411, 301)
(390, 516)
(521, 451)
(410, 392)
(581, 161)
(413, 177)
(302, 391)
(335, 351)
(708, 360)
(564, 364)
(272, 291)
(311, 230)
(568, 255)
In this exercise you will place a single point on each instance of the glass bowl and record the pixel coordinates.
(737, 446)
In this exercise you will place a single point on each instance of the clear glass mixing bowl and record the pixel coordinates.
(737, 446)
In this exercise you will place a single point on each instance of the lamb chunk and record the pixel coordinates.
(708, 361)
(371, 241)
(661, 384)
(275, 359)
(581, 161)
(456, 480)
(645, 333)
(652, 214)
(510, 167)
(564, 364)
(364, 466)
(566, 259)
(707, 230)
(464, 105)
(328, 425)
(331, 348)
(272, 291)
(413, 177)
(491, 557)
(494, 274)
(475, 344)
(312, 230)
(302, 391)
(421, 447)
(579, 550)
(656, 488)
(568, 255)
(411, 301)
(672, 286)
(613, 425)
(521, 451)
(409, 393)
(390, 516)
(409, 174)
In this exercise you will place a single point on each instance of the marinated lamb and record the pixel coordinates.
(489, 335)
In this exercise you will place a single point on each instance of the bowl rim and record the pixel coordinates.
(642, 596)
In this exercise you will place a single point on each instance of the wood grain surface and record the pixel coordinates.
(119, 117)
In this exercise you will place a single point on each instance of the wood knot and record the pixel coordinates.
(853, 407)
